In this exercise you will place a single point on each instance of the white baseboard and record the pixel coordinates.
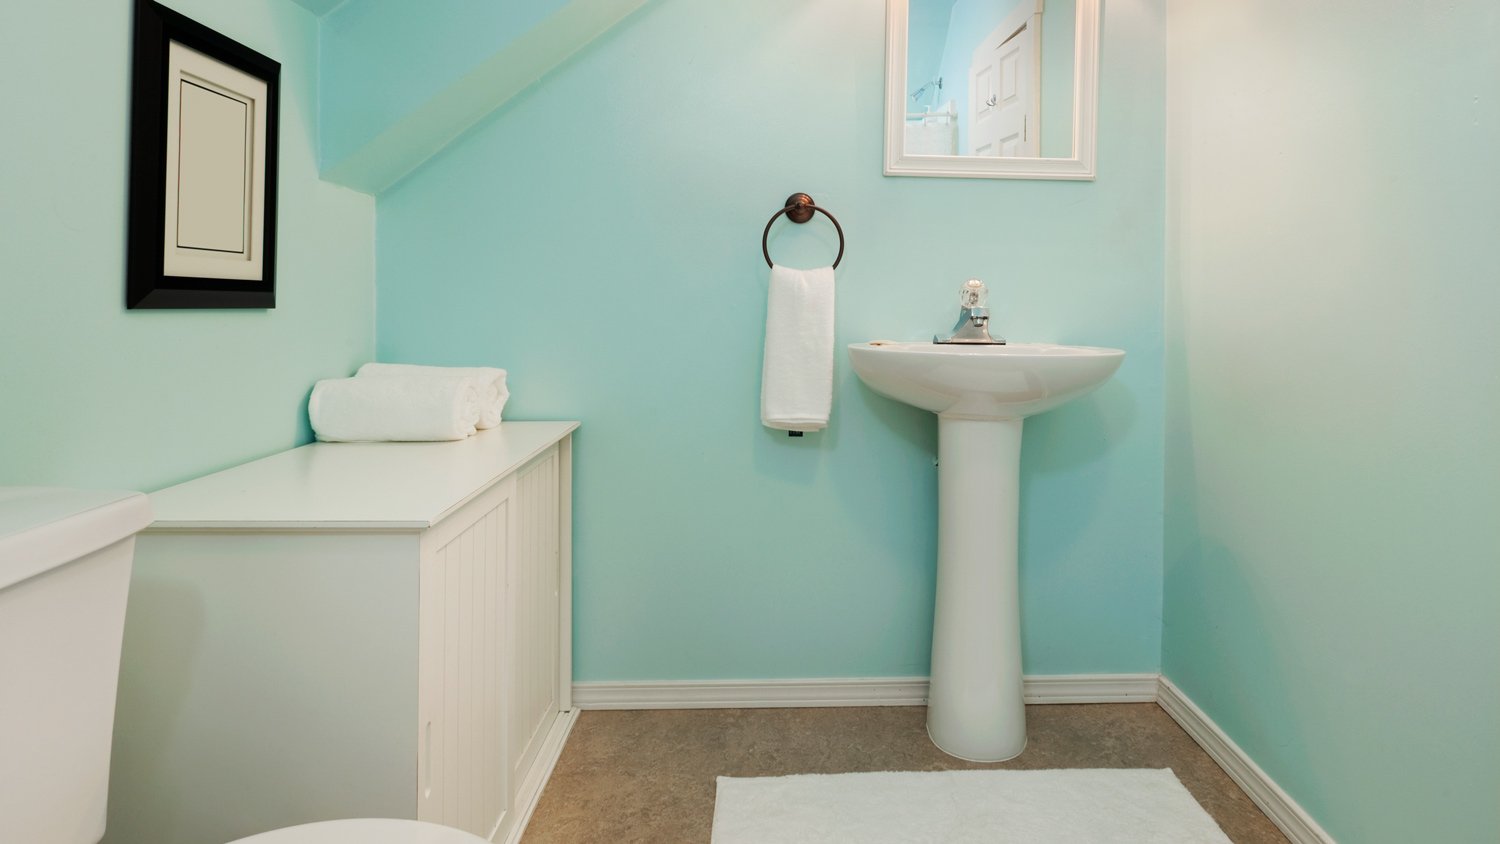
(530, 792)
(1294, 822)
(856, 691)
(1090, 688)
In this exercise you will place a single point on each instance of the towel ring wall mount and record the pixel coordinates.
(799, 208)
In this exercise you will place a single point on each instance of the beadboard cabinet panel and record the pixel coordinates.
(534, 611)
(466, 652)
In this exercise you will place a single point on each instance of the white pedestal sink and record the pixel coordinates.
(980, 394)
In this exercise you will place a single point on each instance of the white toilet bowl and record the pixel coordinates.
(65, 558)
(365, 831)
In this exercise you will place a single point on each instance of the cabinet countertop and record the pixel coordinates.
(353, 486)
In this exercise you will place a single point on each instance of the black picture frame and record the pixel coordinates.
(148, 284)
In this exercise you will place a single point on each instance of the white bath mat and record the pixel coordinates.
(948, 807)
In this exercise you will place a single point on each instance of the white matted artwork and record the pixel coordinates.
(216, 164)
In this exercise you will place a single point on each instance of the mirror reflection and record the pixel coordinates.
(991, 78)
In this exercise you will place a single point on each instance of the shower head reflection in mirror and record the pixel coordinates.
(991, 88)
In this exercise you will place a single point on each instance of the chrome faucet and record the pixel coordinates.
(973, 326)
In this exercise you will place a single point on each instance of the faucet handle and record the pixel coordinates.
(973, 294)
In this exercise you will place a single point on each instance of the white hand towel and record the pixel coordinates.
(492, 393)
(400, 408)
(796, 382)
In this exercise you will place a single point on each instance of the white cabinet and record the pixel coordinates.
(350, 630)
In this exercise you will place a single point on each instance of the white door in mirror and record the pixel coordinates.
(1003, 90)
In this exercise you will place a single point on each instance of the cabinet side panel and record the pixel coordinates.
(266, 680)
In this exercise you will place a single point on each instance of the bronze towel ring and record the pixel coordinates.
(799, 208)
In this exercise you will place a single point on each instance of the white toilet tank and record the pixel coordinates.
(64, 572)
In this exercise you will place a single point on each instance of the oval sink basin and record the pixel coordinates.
(983, 382)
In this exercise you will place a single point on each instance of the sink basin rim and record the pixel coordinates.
(1016, 350)
(1009, 381)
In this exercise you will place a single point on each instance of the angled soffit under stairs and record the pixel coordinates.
(318, 7)
(399, 81)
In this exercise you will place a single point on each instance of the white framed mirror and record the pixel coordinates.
(998, 89)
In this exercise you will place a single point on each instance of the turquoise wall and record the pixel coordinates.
(1333, 467)
(600, 238)
(98, 396)
(382, 59)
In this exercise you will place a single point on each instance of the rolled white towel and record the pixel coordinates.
(493, 392)
(399, 408)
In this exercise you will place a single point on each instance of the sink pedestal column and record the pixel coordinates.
(974, 703)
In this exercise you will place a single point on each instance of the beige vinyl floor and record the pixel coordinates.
(648, 776)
